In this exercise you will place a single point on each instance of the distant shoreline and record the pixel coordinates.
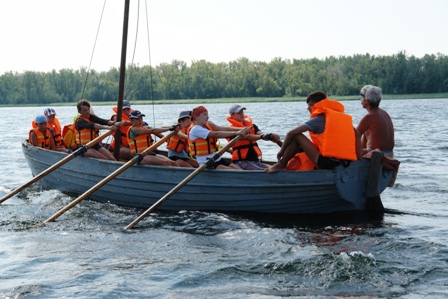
(241, 100)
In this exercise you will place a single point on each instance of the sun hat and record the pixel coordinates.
(236, 109)
(49, 111)
(41, 119)
(184, 114)
(135, 114)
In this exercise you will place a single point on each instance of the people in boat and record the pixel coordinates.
(246, 152)
(327, 120)
(376, 126)
(125, 152)
(203, 138)
(140, 138)
(87, 126)
(55, 127)
(41, 135)
(178, 146)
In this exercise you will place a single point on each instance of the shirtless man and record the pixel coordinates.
(376, 126)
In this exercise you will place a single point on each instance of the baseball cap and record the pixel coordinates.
(236, 109)
(41, 119)
(135, 114)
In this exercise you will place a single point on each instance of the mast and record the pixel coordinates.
(122, 77)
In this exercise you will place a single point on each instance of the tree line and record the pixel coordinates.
(342, 76)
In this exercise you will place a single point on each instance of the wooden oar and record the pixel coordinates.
(185, 181)
(110, 177)
(73, 155)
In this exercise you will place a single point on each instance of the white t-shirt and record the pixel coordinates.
(201, 132)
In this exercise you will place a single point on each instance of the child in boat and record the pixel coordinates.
(203, 135)
(55, 127)
(178, 146)
(125, 152)
(87, 126)
(246, 152)
(140, 138)
(41, 136)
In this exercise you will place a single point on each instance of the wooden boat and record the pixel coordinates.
(319, 191)
(308, 192)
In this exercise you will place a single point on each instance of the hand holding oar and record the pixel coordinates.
(185, 181)
(272, 137)
(74, 154)
(128, 164)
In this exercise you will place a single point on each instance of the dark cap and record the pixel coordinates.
(135, 114)
(126, 104)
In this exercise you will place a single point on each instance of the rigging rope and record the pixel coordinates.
(135, 45)
(93, 50)
(150, 65)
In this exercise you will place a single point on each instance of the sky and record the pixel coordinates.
(46, 35)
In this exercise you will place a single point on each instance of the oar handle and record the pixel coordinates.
(55, 166)
(183, 182)
(109, 177)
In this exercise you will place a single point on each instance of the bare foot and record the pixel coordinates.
(274, 168)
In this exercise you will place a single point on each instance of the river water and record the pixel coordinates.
(87, 254)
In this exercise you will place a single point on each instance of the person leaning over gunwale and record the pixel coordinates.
(326, 121)
(87, 126)
(376, 126)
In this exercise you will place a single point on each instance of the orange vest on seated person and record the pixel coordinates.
(43, 140)
(338, 139)
(85, 135)
(177, 144)
(140, 142)
(123, 129)
(56, 127)
(242, 146)
(202, 147)
(68, 136)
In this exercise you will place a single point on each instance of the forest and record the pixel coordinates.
(341, 76)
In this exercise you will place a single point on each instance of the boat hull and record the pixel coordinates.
(140, 186)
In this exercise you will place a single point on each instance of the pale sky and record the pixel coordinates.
(42, 35)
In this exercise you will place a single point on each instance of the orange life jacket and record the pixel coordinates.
(177, 144)
(68, 136)
(86, 135)
(56, 127)
(301, 162)
(202, 147)
(338, 139)
(242, 146)
(123, 129)
(140, 142)
(43, 140)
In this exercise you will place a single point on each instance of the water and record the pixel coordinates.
(87, 254)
